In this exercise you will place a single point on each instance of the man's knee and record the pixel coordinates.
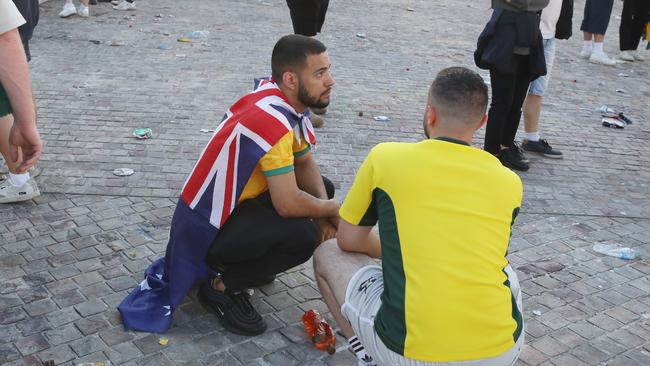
(324, 254)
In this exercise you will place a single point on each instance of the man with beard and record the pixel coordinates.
(255, 204)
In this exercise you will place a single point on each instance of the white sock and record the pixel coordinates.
(532, 136)
(18, 180)
(358, 350)
(587, 46)
(598, 47)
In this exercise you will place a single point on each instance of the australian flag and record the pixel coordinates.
(248, 131)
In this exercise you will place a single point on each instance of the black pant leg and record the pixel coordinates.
(256, 242)
(502, 97)
(625, 29)
(521, 84)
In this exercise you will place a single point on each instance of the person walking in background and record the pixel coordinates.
(532, 107)
(17, 110)
(69, 9)
(307, 17)
(511, 47)
(633, 21)
(594, 25)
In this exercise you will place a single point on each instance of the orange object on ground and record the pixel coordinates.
(320, 332)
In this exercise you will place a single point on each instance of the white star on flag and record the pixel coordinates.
(169, 311)
(159, 276)
(144, 285)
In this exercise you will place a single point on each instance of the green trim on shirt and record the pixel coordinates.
(278, 171)
(302, 152)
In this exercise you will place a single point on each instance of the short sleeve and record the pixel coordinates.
(300, 147)
(359, 207)
(10, 17)
(278, 160)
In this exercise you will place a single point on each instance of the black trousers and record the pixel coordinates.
(307, 16)
(508, 95)
(256, 243)
(633, 20)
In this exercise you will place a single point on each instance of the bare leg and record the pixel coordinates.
(599, 38)
(587, 36)
(333, 269)
(532, 109)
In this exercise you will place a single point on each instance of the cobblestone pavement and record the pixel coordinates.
(70, 256)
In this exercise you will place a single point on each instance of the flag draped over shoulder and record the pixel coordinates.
(248, 131)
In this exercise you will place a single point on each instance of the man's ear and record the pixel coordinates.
(290, 80)
(430, 116)
(483, 122)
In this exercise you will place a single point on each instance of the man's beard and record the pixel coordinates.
(308, 100)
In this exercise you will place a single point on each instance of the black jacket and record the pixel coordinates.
(505, 31)
(564, 27)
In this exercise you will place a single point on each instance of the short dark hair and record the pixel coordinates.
(290, 54)
(459, 95)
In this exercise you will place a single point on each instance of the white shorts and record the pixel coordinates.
(362, 302)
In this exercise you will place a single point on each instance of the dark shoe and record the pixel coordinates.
(233, 310)
(512, 158)
(92, 2)
(541, 147)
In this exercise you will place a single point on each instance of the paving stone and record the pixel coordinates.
(115, 335)
(62, 334)
(11, 315)
(31, 344)
(91, 324)
(247, 351)
(121, 353)
(222, 359)
(8, 353)
(33, 325)
(90, 307)
(63, 316)
(9, 333)
(59, 354)
(69, 298)
(33, 294)
(87, 345)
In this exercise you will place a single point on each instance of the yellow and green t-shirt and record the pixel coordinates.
(444, 210)
(278, 160)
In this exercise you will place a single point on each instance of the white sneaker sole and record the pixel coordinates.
(22, 198)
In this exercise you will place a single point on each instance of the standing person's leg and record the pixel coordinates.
(601, 12)
(511, 155)
(502, 97)
(532, 107)
(84, 10)
(625, 30)
(334, 270)
(588, 45)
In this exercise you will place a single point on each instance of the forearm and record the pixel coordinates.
(303, 204)
(308, 177)
(14, 76)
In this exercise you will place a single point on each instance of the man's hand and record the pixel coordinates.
(327, 229)
(24, 137)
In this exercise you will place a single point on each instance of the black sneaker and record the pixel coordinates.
(233, 310)
(541, 147)
(512, 158)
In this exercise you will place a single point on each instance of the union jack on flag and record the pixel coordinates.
(248, 131)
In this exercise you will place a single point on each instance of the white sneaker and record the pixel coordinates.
(10, 193)
(585, 54)
(68, 9)
(125, 5)
(638, 57)
(601, 58)
(83, 11)
(115, 2)
(627, 56)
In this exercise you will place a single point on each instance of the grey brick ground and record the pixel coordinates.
(70, 256)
